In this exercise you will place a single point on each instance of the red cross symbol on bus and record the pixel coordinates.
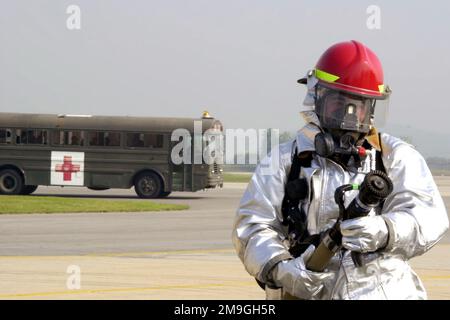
(67, 168)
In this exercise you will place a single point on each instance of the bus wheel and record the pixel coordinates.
(148, 185)
(29, 189)
(11, 182)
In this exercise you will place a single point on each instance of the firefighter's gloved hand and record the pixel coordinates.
(298, 281)
(365, 234)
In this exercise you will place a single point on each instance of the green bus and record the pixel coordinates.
(100, 152)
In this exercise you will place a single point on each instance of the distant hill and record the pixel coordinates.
(434, 146)
(428, 143)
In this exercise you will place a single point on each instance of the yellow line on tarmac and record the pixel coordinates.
(435, 277)
(168, 252)
(125, 254)
(37, 257)
(116, 290)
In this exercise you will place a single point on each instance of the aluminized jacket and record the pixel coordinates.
(414, 213)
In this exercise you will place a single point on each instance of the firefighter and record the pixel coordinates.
(346, 98)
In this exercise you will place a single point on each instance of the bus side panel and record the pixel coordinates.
(187, 177)
(33, 161)
(117, 169)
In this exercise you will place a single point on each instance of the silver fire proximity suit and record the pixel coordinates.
(414, 214)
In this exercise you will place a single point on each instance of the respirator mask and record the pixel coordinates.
(345, 119)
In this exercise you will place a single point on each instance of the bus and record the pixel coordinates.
(100, 152)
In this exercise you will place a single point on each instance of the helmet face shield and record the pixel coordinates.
(381, 113)
(345, 111)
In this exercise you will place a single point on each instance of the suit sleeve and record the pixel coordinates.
(415, 212)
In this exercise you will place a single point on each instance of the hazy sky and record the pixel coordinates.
(239, 59)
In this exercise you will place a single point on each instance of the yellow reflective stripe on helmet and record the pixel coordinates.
(381, 88)
(325, 76)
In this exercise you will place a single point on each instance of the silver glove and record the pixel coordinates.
(365, 234)
(295, 279)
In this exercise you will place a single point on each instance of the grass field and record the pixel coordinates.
(39, 204)
(237, 177)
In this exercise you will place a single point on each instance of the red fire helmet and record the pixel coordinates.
(351, 67)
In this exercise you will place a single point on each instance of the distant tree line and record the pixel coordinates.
(285, 136)
(438, 163)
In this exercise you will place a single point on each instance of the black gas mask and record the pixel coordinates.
(345, 119)
(328, 144)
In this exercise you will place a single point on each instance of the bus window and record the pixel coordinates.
(145, 140)
(103, 138)
(33, 136)
(68, 138)
(5, 136)
(135, 140)
(154, 140)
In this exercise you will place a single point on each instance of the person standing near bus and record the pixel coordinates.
(343, 92)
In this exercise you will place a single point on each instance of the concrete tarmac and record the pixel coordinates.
(206, 225)
(162, 255)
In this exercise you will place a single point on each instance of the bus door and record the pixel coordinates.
(181, 173)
